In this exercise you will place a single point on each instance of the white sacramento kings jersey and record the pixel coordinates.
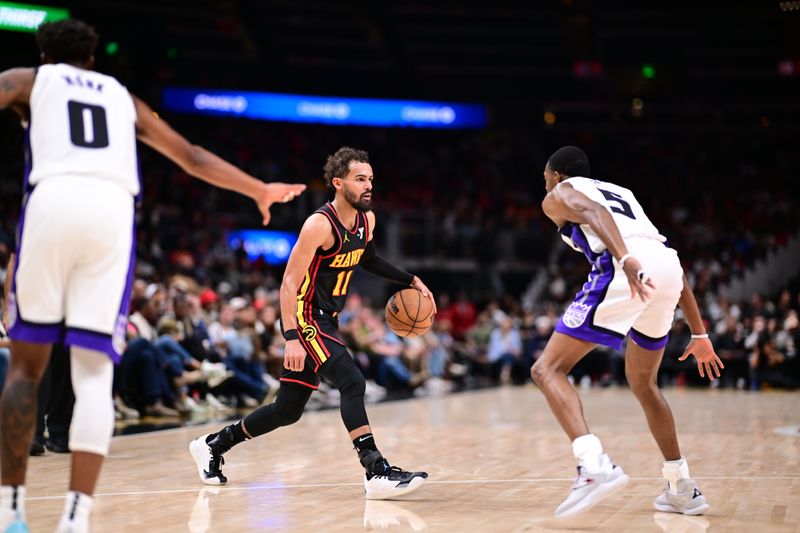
(83, 123)
(624, 209)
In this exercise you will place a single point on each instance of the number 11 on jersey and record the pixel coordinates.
(342, 281)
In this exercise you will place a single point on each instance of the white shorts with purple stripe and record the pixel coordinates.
(603, 311)
(74, 270)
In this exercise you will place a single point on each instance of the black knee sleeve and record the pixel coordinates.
(285, 410)
(345, 376)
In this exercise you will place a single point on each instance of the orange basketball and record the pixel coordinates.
(409, 313)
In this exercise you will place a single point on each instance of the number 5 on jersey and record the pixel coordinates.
(342, 282)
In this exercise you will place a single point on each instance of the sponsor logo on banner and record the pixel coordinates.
(576, 314)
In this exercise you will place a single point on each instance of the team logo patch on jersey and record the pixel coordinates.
(576, 314)
(118, 337)
(309, 333)
(12, 310)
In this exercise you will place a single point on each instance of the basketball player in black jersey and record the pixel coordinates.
(335, 239)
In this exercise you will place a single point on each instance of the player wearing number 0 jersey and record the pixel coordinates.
(334, 240)
(635, 283)
(74, 261)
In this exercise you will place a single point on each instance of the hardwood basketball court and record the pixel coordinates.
(497, 460)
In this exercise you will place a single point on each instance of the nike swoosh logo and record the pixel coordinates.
(362, 439)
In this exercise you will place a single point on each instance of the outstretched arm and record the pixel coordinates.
(316, 233)
(700, 346)
(565, 204)
(201, 163)
(375, 264)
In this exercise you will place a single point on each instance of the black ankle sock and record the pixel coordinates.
(226, 438)
(371, 459)
(365, 442)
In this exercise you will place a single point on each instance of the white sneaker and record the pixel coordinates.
(214, 403)
(590, 488)
(12, 522)
(75, 518)
(215, 374)
(393, 483)
(208, 463)
(689, 500)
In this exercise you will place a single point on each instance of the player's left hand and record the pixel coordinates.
(703, 352)
(277, 193)
(417, 284)
(637, 279)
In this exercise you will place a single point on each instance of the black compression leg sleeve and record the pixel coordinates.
(345, 376)
(286, 409)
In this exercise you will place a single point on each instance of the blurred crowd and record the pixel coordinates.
(203, 332)
(191, 348)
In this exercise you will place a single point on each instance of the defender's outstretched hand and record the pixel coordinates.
(426, 292)
(703, 352)
(277, 193)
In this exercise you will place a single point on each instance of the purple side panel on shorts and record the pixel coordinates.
(578, 319)
(91, 340)
(648, 343)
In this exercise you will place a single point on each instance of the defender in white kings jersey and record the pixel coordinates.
(633, 287)
(71, 276)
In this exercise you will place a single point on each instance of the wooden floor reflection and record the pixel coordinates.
(497, 462)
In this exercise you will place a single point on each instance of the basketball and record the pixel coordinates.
(409, 313)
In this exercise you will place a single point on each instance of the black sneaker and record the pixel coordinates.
(59, 444)
(208, 462)
(383, 482)
(37, 448)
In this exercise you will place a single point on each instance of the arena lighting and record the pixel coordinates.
(271, 246)
(28, 17)
(326, 110)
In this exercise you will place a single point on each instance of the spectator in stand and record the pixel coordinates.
(505, 352)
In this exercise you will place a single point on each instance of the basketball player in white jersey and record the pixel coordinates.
(76, 248)
(635, 283)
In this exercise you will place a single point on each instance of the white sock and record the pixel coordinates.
(673, 471)
(588, 451)
(77, 507)
(12, 501)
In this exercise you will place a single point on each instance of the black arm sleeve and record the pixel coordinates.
(375, 264)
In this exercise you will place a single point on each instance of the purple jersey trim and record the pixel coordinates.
(91, 340)
(648, 343)
(36, 333)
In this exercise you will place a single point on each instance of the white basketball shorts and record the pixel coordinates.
(74, 270)
(603, 311)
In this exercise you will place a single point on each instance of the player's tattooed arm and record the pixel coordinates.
(15, 86)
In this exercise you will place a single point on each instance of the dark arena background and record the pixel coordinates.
(692, 105)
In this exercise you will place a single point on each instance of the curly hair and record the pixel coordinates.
(338, 164)
(67, 41)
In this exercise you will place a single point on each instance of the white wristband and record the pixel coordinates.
(702, 336)
(622, 259)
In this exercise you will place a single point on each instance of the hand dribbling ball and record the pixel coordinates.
(409, 313)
